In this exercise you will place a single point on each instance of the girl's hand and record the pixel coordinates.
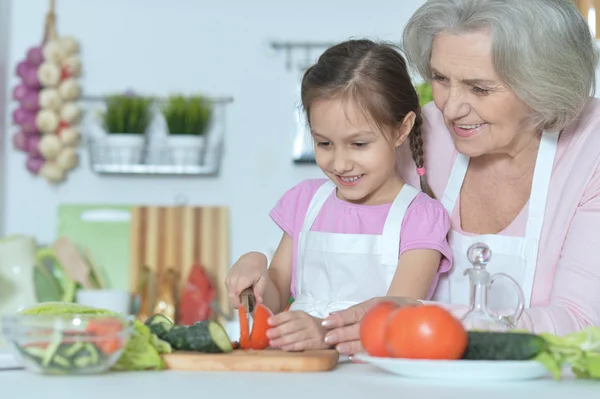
(249, 271)
(296, 331)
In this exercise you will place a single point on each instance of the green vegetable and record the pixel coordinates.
(177, 338)
(60, 358)
(205, 336)
(159, 325)
(143, 349)
(488, 345)
(208, 337)
(580, 350)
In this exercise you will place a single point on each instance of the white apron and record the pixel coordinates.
(515, 256)
(335, 271)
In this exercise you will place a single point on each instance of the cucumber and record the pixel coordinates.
(489, 345)
(176, 336)
(208, 337)
(159, 325)
(60, 358)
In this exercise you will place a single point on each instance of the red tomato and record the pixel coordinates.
(258, 337)
(425, 332)
(106, 330)
(372, 328)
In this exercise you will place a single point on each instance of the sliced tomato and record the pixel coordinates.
(258, 338)
(244, 328)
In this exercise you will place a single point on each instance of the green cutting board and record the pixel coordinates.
(104, 231)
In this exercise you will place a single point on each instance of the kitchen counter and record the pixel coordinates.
(347, 381)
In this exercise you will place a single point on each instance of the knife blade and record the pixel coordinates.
(248, 301)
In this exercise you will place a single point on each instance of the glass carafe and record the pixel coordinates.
(480, 316)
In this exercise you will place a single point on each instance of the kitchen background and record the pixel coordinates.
(221, 49)
(161, 47)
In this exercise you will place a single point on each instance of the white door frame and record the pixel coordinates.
(6, 71)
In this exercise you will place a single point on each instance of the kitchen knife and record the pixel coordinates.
(248, 301)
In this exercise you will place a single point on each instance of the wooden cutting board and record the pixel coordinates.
(175, 238)
(273, 360)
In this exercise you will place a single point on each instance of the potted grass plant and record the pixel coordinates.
(188, 120)
(125, 122)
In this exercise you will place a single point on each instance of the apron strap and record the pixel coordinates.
(393, 226)
(316, 203)
(537, 205)
(457, 176)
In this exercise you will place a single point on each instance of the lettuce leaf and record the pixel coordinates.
(580, 350)
(143, 348)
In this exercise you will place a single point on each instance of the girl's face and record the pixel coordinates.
(357, 156)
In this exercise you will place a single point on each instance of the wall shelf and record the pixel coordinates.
(157, 155)
(105, 159)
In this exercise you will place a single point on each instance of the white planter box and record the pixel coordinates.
(186, 149)
(125, 149)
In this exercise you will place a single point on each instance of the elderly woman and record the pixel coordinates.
(512, 148)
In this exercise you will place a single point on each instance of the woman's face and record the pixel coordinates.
(482, 114)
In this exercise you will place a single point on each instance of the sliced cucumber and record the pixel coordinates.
(71, 350)
(33, 352)
(61, 358)
(220, 337)
(159, 325)
(208, 337)
(204, 336)
(50, 352)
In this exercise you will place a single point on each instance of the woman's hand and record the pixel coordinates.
(344, 326)
(296, 331)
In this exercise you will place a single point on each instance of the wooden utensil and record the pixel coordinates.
(70, 258)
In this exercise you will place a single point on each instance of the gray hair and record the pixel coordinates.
(542, 49)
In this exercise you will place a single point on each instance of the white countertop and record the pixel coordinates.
(347, 381)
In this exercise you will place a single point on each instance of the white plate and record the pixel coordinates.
(459, 370)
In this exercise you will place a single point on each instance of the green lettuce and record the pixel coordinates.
(143, 349)
(580, 350)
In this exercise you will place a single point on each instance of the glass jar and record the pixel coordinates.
(480, 316)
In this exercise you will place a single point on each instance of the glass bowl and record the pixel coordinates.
(67, 344)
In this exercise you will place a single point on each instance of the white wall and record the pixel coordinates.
(218, 47)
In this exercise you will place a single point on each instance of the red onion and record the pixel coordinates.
(20, 91)
(22, 69)
(29, 126)
(31, 79)
(34, 164)
(33, 145)
(20, 140)
(35, 56)
(31, 101)
(19, 116)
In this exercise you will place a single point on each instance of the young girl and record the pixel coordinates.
(363, 232)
